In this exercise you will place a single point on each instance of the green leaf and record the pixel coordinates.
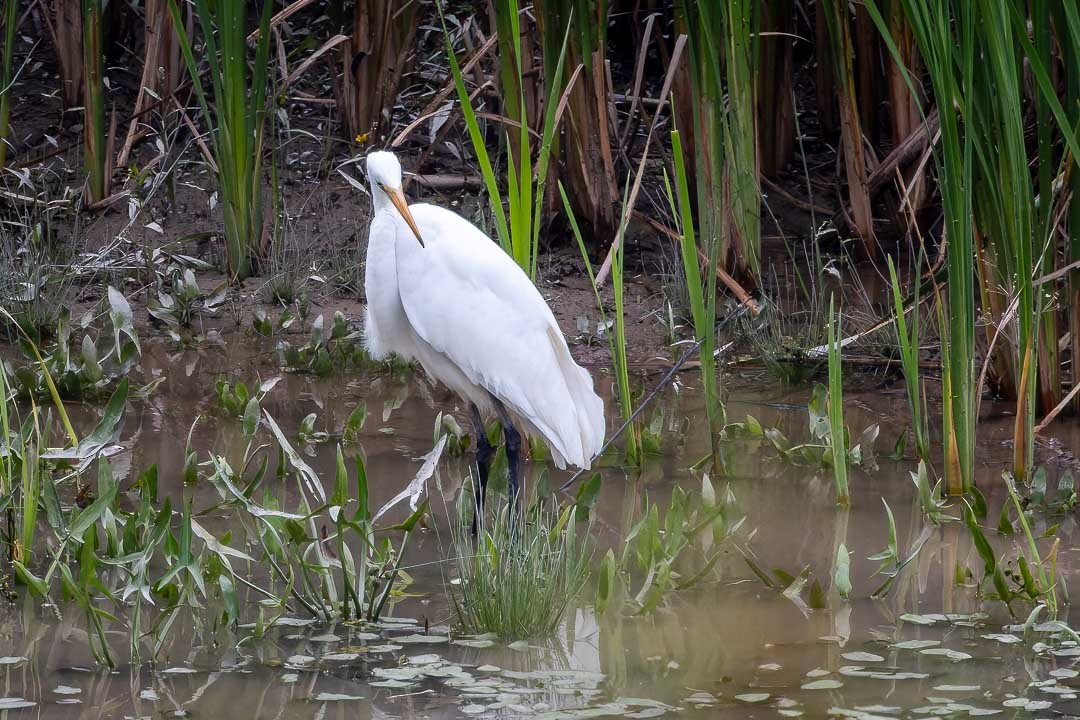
(105, 500)
(985, 550)
(605, 583)
(587, 495)
(817, 600)
(355, 422)
(121, 317)
(229, 599)
(363, 512)
(818, 408)
(32, 581)
(410, 522)
(842, 574)
(251, 417)
(340, 496)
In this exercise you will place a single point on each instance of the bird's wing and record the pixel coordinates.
(468, 299)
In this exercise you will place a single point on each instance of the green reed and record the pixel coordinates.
(837, 431)
(1005, 203)
(907, 336)
(237, 124)
(945, 34)
(702, 293)
(94, 131)
(518, 224)
(977, 53)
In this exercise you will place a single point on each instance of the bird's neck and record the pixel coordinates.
(380, 200)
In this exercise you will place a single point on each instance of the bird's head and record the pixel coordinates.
(384, 173)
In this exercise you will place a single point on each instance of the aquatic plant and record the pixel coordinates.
(235, 400)
(975, 55)
(892, 562)
(237, 125)
(86, 368)
(180, 301)
(829, 442)
(663, 555)
(521, 575)
(171, 567)
(324, 352)
(1031, 578)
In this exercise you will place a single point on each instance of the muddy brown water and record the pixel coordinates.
(730, 647)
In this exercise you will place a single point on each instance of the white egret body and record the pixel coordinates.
(462, 308)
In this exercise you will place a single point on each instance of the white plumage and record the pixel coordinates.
(461, 307)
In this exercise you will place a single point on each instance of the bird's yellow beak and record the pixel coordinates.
(398, 199)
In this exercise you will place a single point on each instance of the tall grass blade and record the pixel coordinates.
(907, 337)
(837, 431)
(702, 295)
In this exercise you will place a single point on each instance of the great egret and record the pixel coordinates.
(442, 293)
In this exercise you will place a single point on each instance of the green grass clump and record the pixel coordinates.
(519, 578)
(237, 125)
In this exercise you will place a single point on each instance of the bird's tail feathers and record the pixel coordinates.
(589, 425)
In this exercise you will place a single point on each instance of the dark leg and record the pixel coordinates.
(513, 455)
(484, 453)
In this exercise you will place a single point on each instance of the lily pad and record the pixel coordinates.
(299, 660)
(422, 639)
(916, 644)
(424, 659)
(335, 697)
(752, 698)
(862, 657)
(1005, 638)
(918, 619)
(954, 655)
(480, 644)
